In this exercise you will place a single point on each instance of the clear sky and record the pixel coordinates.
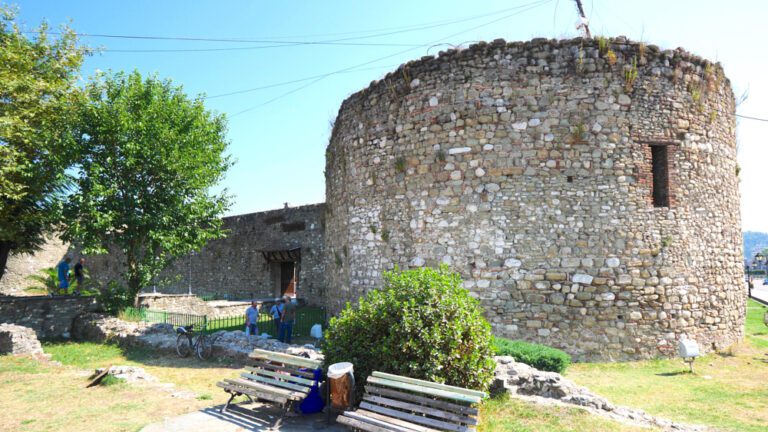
(279, 142)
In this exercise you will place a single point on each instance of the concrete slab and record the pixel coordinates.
(240, 418)
(760, 293)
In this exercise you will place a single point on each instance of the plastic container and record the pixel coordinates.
(338, 370)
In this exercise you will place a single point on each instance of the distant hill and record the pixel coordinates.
(754, 242)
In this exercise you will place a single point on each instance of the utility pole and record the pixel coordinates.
(584, 22)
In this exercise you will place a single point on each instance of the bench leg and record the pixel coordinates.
(286, 408)
(232, 395)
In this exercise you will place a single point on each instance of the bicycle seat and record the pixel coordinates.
(185, 329)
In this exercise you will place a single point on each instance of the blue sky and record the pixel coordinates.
(279, 143)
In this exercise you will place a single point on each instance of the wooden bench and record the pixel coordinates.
(283, 379)
(396, 403)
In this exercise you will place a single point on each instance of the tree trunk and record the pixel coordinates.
(5, 250)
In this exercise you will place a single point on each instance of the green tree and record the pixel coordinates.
(148, 157)
(37, 100)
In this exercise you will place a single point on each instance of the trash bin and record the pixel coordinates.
(342, 384)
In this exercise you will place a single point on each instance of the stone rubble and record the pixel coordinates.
(19, 340)
(533, 385)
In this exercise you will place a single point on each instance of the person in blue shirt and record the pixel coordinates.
(276, 312)
(252, 318)
(63, 273)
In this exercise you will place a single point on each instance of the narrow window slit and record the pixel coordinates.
(660, 170)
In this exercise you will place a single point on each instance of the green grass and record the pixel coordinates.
(755, 329)
(85, 355)
(505, 414)
(729, 390)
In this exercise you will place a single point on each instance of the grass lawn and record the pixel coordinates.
(729, 390)
(39, 397)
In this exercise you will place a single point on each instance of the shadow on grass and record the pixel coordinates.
(673, 374)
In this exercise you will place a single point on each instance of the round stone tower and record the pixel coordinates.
(586, 190)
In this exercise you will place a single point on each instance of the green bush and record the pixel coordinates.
(422, 324)
(114, 298)
(541, 357)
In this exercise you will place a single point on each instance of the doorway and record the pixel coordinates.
(288, 278)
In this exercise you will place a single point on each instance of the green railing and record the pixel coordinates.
(306, 317)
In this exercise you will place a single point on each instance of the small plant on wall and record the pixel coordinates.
(400, 164)
(385, 235)
(630, 75)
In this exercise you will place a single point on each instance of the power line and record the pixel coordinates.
(275, 43)
(752, 118)
(258, 47)
(284, 83)
(523, 8)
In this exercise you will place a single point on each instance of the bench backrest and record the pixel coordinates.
(436, 406)
(282, 370)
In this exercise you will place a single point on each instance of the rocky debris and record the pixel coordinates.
(234, 345)
(237, 345)
(550, 388)
(19, 340)
(130, 374)
(138, 376)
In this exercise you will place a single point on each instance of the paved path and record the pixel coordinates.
(760, 293)
(239, 418)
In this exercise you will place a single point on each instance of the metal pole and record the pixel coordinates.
(584, 18)
(190, 274)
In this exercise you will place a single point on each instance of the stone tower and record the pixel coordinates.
(586, 190)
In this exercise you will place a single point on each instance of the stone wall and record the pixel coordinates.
(20, 267)
(528, 168)
(49, 317)
(234, 265)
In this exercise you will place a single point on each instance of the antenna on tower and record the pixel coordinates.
(583, 23)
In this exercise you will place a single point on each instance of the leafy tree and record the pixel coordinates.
(148, 158)
(37, 100)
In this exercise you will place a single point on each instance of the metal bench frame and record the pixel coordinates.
(274, 377)
(402, 404)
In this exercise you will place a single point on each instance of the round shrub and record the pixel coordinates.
(422, 324)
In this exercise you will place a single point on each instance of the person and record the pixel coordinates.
(276, 312)
(63, 273)
(79, 274)
(251, 318)
(287, 320)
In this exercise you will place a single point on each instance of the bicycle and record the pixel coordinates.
(188, 341)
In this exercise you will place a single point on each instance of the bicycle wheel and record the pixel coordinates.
(204, 347)
(183, 345)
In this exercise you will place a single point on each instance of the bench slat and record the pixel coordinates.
(424, 390)
(275, 382)
(413, 418)
(440, 414)
(437, 403)
(283, 376)
(252, 392)
(281, 367)
(394, 421)
(382, 422)
(290, 394)
(285, 358)
(363, 426)
(423, 383)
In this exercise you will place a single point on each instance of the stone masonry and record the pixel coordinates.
(586, 191)
(235, 266)
(49, 317)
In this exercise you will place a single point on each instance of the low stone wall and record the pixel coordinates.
(49, 317)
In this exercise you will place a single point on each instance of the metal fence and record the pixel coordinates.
(306, 317)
